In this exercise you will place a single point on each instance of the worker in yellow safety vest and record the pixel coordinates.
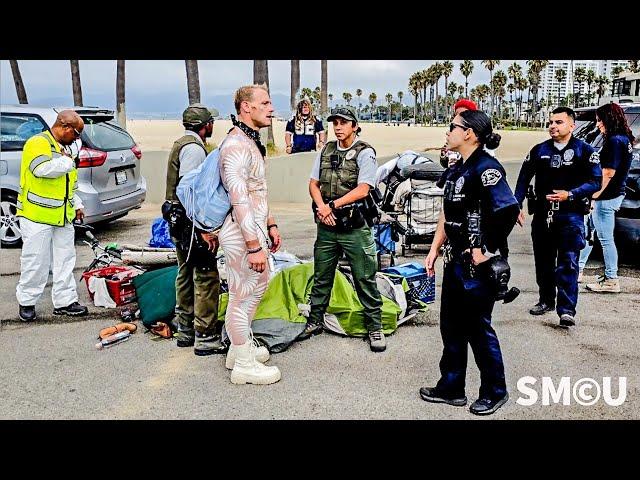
(47, 204)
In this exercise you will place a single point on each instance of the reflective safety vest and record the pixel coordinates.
(40, 199)
(339, 169)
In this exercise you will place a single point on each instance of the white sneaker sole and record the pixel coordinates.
(238, 378)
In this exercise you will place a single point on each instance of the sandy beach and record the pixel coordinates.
(159, 135)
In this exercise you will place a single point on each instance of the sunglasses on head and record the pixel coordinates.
(452, 126)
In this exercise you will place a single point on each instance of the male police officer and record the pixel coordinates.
(197, 283)
(567, 172)
(342, 175)
(48, 204)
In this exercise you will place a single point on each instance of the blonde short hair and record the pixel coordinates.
(245, 94)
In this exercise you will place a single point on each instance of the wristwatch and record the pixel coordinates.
(570, 196)
(332, 205)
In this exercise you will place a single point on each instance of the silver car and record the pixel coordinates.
(109, 179)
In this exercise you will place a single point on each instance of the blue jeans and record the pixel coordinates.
(604, 220)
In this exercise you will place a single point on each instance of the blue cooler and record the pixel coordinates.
(421, 286)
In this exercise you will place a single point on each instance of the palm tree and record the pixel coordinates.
(601, 86)
(561, 75)
(388, 97)
(491, 65)
(193, 80)
(400, 95)
(514, 71)
(423, 77)
(498, 83)
(466, 68)
(617, 70)
(429, 80)
(307, 93)
(75, 82)
(295, 83)
(511, 88)
(324, 87)
(521, 84)
(17, 80)
(261, 77)
(579, 76)
(120, 94)
(590, 78)
(316, 96)
(347, 97)
(633, 66)
(452, 89)
(461, 89)
(413, 90)
(536, 67)
(359, 94)
(437, 73)
(533, 77)
(373, 98)
(483, 92)
(447, 70)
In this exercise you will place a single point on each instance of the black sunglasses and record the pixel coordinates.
(452, 126)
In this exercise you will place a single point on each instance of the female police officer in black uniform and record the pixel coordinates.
(479, 213)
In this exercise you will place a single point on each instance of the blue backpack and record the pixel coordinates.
(203, 195)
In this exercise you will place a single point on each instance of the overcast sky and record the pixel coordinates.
(45, 79)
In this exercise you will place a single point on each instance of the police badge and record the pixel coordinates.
(490, 177)
(459, 185)
(594, 158)
(568, 157)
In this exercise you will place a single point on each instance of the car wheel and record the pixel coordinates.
(10, 234)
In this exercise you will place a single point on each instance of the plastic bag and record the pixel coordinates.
(160, 234)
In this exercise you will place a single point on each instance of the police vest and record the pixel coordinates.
(339, 177)
(45, 200)
(173, 168)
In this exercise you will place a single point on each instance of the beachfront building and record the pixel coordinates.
(550, 86)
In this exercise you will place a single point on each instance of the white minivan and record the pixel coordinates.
(109, 179)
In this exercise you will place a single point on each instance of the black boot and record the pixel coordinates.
(27, 313)
(541, 308)
(74, 310)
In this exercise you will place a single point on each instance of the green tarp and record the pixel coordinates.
(278, 320)
(292, 286)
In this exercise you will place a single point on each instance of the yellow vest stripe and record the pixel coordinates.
(36, 162)
(44, 201)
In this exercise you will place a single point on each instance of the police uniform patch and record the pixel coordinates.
(568, 155)
(490, 177)
(350, 154)
(459, 185)
(594, 158)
